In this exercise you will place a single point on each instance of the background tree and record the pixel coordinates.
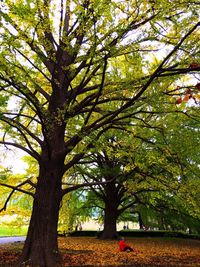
(58, 64)
(145, 170)
(72, 212)
(105, 166)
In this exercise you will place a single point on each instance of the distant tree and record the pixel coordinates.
(109, 197)
(144, 169)
(167, 211)
(71, 71)
(72, 212)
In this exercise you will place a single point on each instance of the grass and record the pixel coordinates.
(90, 251)
(13, 231)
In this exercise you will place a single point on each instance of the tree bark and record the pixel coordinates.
(110, 212)
(41, 245)
(110, 221)
(141, 224)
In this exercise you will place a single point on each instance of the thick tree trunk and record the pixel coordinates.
(41, 247)
(110, 212)
(110, 221)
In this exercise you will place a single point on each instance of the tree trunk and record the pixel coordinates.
(110, 212)
(41, 246)
(110, 221)
(141, 224)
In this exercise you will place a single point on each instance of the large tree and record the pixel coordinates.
(72, 70)
(144, 166)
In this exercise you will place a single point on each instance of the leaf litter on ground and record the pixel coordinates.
(90, 251)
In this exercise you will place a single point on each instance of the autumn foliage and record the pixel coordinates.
(90, 251)
(189, 94)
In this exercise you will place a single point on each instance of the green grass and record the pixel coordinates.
(13, 231)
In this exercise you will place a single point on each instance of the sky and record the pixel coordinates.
(13, 159)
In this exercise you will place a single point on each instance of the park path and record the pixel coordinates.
(11, 239)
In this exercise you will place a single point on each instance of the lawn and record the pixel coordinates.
(89, 251)
(13, 231)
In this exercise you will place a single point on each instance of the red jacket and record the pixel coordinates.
(122, 245)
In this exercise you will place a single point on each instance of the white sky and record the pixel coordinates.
(12, 158)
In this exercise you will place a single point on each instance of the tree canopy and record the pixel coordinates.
(73, 70)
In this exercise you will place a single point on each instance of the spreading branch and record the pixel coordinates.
(17, 188)
(75, 187)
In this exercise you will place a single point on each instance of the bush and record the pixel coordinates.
(157, 233)
(138, 233)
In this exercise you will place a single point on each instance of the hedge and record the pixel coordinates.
(137, 233)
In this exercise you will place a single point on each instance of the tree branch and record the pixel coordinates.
(75, 187)
(100, 91)
(36, 156)
(15, 188)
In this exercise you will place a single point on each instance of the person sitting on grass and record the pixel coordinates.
(125, 247)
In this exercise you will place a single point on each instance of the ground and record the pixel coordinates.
(89, 251)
